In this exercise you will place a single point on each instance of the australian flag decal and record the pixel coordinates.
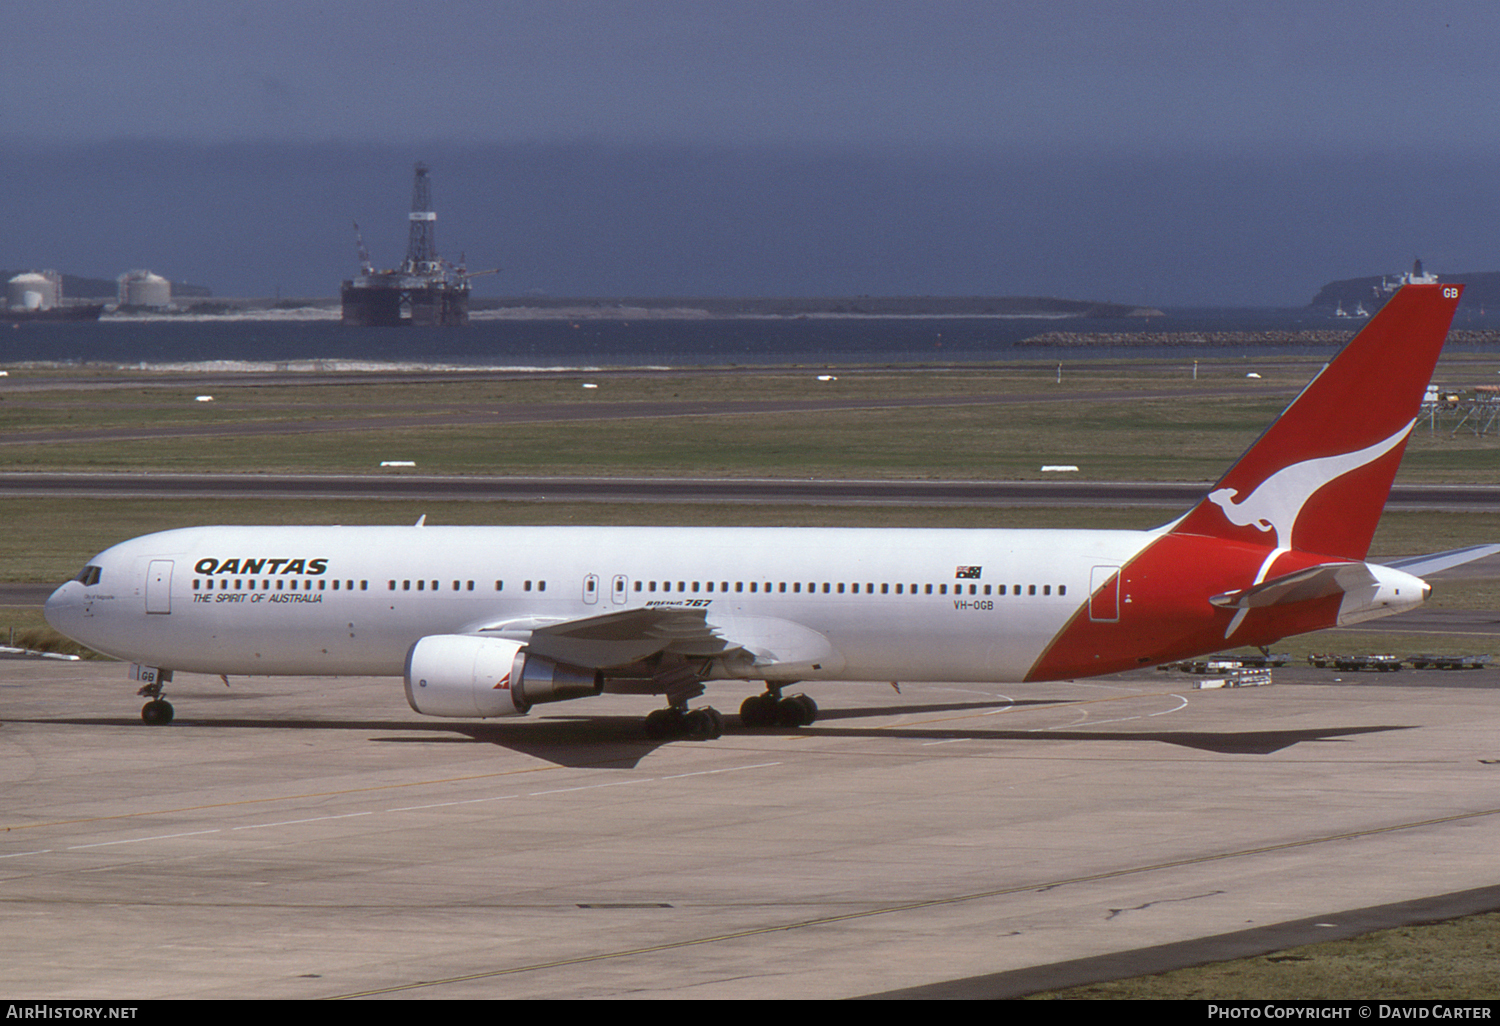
(968, 573)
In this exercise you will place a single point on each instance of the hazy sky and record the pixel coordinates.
(1157, 152)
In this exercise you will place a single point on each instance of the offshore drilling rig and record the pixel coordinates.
(425, 289)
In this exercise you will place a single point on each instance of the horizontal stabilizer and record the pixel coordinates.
(1314, 582)
(1424, 566)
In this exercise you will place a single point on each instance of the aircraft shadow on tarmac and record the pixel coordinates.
(618, 741)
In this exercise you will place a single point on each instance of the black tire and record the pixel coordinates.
(157, 712)
(705, 724)
(796, 711)
(758, 711)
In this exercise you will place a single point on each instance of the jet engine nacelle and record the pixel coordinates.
(464, 675)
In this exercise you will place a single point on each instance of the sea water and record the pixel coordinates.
(603, 343)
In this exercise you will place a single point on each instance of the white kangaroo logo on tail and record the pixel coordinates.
(1277, 502)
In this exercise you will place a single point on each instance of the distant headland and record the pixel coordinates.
(550, 308)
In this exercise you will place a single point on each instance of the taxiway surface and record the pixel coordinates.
(301, 839)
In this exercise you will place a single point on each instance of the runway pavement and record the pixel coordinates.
(300, 839)
(1177, 495)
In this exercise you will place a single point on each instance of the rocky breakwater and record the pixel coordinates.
(1216, 339)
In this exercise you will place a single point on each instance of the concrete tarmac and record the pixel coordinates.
(315, 838)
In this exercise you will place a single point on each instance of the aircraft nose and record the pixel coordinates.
(61, 609)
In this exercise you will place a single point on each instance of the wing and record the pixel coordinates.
(754, 644)
(615, 639)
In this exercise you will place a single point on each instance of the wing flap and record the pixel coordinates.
(762, 643)
(617, 639)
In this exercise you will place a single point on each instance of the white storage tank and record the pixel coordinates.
(142, 288)
(34, 291)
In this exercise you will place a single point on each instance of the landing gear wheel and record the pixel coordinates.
(664, 723)
(796, 711)
(759, 711)
(703, 724)
(157, 712)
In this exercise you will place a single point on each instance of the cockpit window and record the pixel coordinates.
(88, 576)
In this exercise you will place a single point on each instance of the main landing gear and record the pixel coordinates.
(703, 724)
(707, 723)
(772, 710)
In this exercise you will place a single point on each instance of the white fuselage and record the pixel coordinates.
(809, 603)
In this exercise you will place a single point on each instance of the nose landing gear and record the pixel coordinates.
(158, 711)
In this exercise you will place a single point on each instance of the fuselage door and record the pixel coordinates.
(1104, 594)
(620, 591)
(591, 589)
(159, 586)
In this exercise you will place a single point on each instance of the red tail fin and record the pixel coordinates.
(1317, 480)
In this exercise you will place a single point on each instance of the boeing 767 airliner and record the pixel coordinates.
(491, 621)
